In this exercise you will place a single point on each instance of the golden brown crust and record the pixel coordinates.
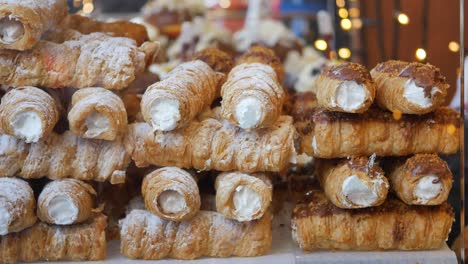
(264, 55)
(218, 60)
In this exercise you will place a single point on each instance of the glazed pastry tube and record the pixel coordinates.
(171, 193)
(318, 224)
(28, 113)
(409, 88)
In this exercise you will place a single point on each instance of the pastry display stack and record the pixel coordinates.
(376, 137)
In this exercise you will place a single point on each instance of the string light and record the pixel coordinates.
(320, 44)
(421, 54)
(344, 53)
(403, 19)
(340, 3)
(354, 12)
(343, 13)
(224, 3)
(453, 46)
(356, 22)
(346, 24)
(88, 8)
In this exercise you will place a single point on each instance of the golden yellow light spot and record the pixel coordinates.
(397, 114)
(343, 13)
(346, 24)
(88, 8)
(320, 44)
(403, 19)
(354, 12)
(344, 53)
(453, 46)
(340, 3)
(451, 129)
(421, 54)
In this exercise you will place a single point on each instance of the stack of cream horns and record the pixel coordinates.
(376, 136)
(244, 142)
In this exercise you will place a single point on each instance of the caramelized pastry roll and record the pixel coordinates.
(214, 145)
(66, 202)
(352, 183)
(252, 94)
(171, 193)
(409, 88)
(17, 206)
(81, 242)
(146, 236)
(345, 87)
(318, 224)
(28, 113)
(98, 114)
(243, 197)
(22, 23)
(422, 179)
(64, 156)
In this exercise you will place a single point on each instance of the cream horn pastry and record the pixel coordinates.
(243, 197)
(346, 87)
(28, 113)
(17, 206)
(409, 88)
(185, 92)
(81, 242)
(352, 183)
(218, 60)
(23, 22)
(146, 236)
(326, 134)
(87, 25)
(318, 224)
(252, 94)
(423, 179)
(80, 61)
(66, 202)
(97, 113)
(64, 156)
(171, 193)
(211, 144)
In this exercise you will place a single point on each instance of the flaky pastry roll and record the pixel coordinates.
(318, 224)
(423, 179)
(211, 144)
(22, 22)
(252, 94)
(352, 183)
(146, 236)
(346, 87)
(171, 193)
(17, 206)
(409, 88)
(66, 202)
(98, 114)
(243, 197)
(46, 242)
(28, 113)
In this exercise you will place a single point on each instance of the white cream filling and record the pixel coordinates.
(415, 94)
(5, 219)
(350, 96)
(62, 210)
(357, 192)
(171, 202)
(96, 124)
(246, 203)
(426, 189)
(248, 112)
(165, 114)
(11, 30)
(27, 125)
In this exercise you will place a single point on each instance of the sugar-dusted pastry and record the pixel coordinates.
(64, 156)
(183, 93)
(171, 193)
(352, 183)
(17, 206)
(97, 113)
(409, 88)
(211, 144)
(326, 134)
(346, 87)
(146, 236)
(121, 28)
(423, 179)
(81, 242)
(243, 197)
(78, 61)
(28, 113)
(252, 94)
(66, 202)
(318, 224)
(22, 22)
